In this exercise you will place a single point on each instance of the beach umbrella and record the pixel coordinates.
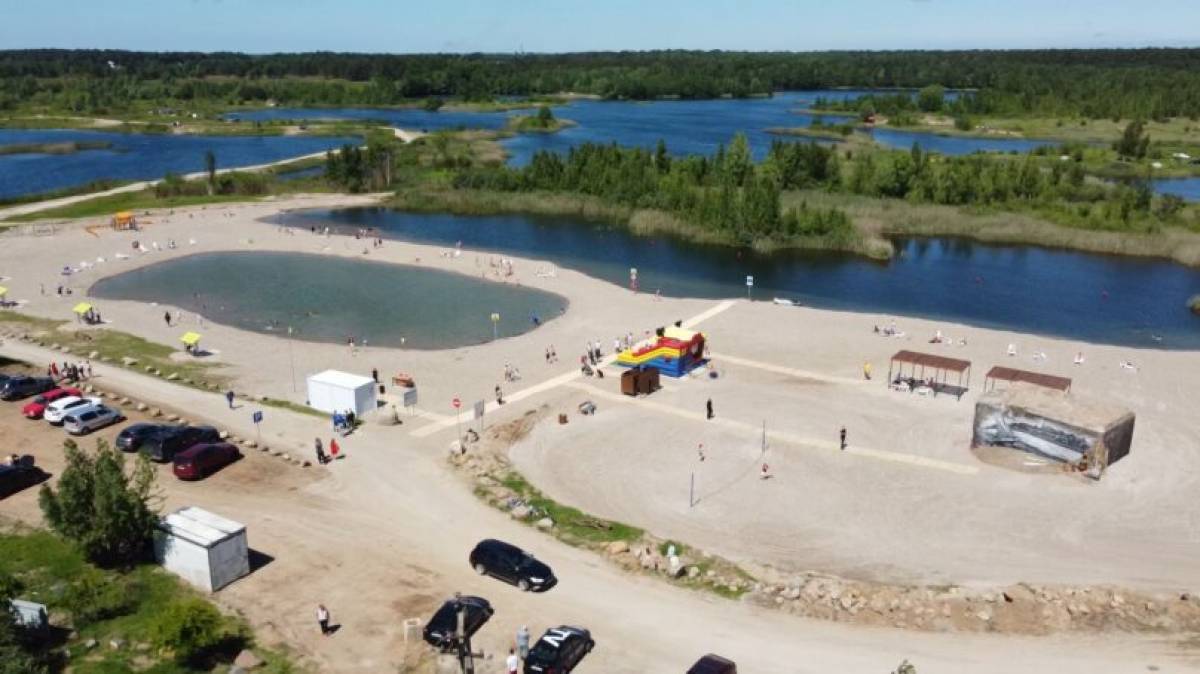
(82, 308)
(190, 338)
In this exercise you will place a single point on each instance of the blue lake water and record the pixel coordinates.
(1107, 299)
(135, 156)
(688, 127)
(1188, 188)
(328, 299)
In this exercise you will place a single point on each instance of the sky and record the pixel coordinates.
(402, 26)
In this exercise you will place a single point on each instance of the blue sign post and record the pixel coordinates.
(257, 417)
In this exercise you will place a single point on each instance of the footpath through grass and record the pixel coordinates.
(87, 603)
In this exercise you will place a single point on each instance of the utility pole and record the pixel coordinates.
(291, 359)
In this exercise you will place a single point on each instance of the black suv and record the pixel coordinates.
(560, 650)
(19, 475)
(164, 445)
(713, 664)
(440, 631)
(512, 565)
(23, 387)
(132, 436)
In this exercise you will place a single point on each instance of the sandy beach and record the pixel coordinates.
(905, 502)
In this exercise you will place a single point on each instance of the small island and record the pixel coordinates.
(69, 147)
(543, 121)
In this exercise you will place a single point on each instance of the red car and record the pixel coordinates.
(195, 463)
(35, 408)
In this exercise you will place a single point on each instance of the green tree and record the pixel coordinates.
(931, 98)
(189, 628)
(545, 117)
(1133, 142)
(101, 509)
(210, 167)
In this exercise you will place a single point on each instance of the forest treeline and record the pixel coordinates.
(1102, 83)
(730, 194)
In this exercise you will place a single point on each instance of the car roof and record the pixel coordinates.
(494, 543)
(203, 446)
(63, 402)
(572, 631)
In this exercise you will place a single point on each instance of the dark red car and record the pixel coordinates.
(196, 463)
(36, 407)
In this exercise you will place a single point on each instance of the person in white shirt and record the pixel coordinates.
(512, 662)
(323, 619)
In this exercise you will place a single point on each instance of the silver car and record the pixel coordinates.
(90, 419)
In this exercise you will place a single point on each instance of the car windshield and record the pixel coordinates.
(542, 654)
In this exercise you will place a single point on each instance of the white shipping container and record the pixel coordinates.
(334, 391)
(206, 550)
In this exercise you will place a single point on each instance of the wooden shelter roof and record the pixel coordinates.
(930, 360)
(1036, 378)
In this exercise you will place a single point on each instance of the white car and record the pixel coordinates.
(60, 408)
(90, 419)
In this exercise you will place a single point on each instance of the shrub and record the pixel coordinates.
(189, 628)
(1194, 304)
(95, 598)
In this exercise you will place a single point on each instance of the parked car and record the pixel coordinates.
(22, 387)
(162, 447)
(713, 664)
(512, 565)
(195, 463)
(57, 410)
(132, 436)
(559, 650)
(440, 631)
(36, 407)
(19, 475)
(90, 419)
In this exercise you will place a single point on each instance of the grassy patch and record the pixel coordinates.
(52, 572)
(126, 201)
(294, 407)
(571, 525)
(115, 346)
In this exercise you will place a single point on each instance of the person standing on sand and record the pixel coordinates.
(334, 449)
(842, 436)
(167, 318)
(765, 473)
(320, 452)
(323, 619)
(229, 398)
(375, 374)
(523, 642)
(867, 371)
(708, 408)
(511, 662)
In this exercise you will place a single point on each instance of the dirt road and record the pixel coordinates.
(383, 535)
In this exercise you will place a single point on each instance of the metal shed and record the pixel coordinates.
(204, 549)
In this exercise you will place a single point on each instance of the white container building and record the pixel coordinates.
(204, 549)
(334, 391)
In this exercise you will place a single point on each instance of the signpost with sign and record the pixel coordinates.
(633, 282)
(257, 417)
(749, 286)
(495, 326)
(479, 409)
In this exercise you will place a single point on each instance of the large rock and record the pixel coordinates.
(247, 660)
(520, 512)
(545, 524)
(93, 355)
(173, 376)
(142, 407)
(129, 362)
(618, 548)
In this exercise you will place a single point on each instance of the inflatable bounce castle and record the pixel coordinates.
(674, 353)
